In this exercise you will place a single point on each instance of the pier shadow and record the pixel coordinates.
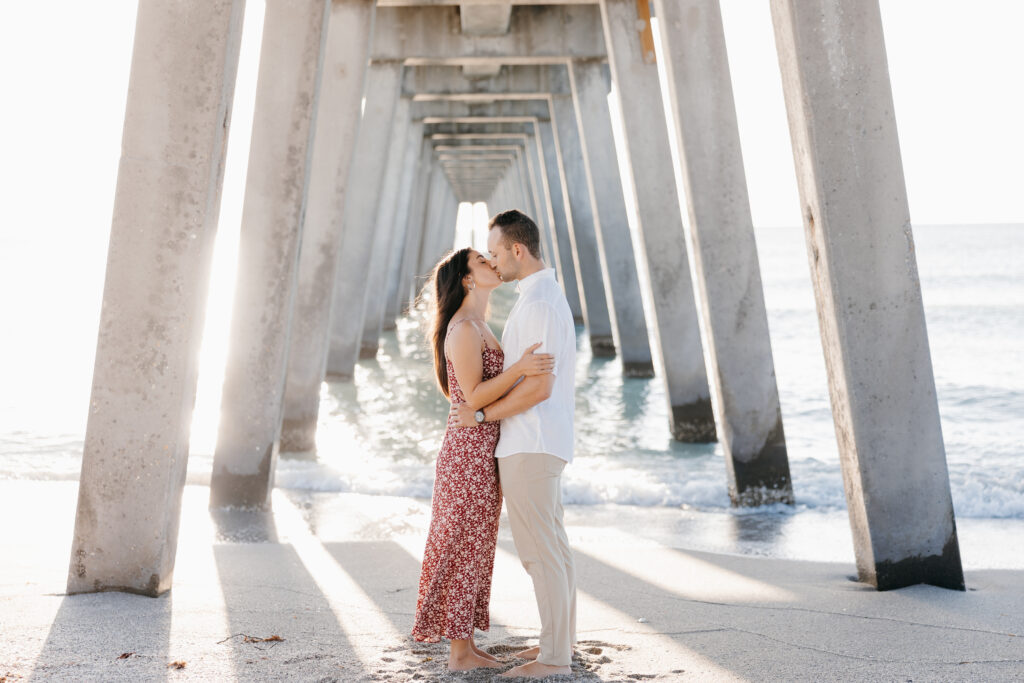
(269, 592)
(91, 631)
(394, 591)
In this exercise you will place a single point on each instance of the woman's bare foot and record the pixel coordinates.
(471, 660)
(481, 653)
(536, 670)
(529, 653)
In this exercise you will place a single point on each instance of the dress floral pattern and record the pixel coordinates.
(455, 581)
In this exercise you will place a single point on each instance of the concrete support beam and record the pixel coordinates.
(861, 251)
(425, 81)
(359, 221)
(583, 238)
(490, 19)
(384, 242)
(679, 356)
(590, 86)
(410, 164)
(536, 35)
(724, 252)
(169, 180)
(276, 188)
(341, 92)
(494, 107)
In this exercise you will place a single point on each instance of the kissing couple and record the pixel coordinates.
(509, 434)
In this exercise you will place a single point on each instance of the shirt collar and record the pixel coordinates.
(529, 281)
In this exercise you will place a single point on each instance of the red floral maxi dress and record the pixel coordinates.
(455, 581)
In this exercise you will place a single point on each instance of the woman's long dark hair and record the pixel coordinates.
(446, 281)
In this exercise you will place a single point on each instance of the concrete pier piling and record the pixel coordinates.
(341, 91)
(409, 285)
(359, 218)
(678, 351)
(861, 251)
(384, 241)
(724, 252)
(403, 237)
(583, 237)
(134, 459)
(562, 217)
(280, 156)
(590, 86)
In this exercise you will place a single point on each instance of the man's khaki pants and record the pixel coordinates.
(532, 486)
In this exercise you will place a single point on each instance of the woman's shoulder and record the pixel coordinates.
(464, 334)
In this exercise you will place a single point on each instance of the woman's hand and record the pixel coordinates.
(535, 363)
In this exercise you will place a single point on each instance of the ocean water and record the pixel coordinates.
(379, 434)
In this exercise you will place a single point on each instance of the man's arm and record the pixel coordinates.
(538, 321)
(523, 396)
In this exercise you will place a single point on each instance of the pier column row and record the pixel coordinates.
(403, 236)
(678, 348)
(384, 240)
(360, 215)
(582, 237)
(861, 250)
(280, 157)
(342, 84)
(724, 252)
(180, 89)
(590, 81)
(562, 217)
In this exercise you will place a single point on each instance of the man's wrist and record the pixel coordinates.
(479, 416)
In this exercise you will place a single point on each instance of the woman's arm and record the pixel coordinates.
(464, 351)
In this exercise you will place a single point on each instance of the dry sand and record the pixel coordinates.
(334, 577)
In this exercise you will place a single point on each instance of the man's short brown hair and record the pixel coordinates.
(516, 226)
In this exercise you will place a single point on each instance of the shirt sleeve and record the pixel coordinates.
(539, 323)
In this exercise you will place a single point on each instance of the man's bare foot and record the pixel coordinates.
(471, 660)
(481, 653)
(529, 653)
(536, 670)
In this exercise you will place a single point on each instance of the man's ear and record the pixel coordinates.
(517, 250)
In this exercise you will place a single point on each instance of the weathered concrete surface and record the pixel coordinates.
(861, 249)
(410, 164)
(679, 356)
(277, 182)
(724, 252)
(590, 81)
(341, 92)
(583, 237)
(180, 90)
(387, 205)
(359, 218)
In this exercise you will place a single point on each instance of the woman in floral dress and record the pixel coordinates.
(455, 580)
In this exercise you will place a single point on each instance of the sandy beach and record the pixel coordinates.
(324, 589)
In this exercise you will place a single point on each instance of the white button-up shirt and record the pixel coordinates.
(541, 314)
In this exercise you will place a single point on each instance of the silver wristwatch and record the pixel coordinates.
(479, 415)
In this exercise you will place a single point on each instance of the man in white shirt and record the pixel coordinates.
(537, 437)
